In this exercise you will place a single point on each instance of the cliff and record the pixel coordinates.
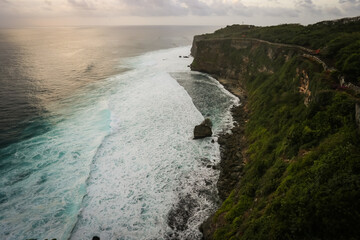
(291, 167)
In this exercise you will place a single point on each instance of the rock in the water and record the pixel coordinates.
(203, 130)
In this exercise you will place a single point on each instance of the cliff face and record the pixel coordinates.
(290, 170)
(232, 61)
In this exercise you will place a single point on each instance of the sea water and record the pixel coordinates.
(106, 149)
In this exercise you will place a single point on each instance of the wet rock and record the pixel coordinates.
(232, 159)
(179, 215)
(203, 130)
(208, 183)
(238, 168)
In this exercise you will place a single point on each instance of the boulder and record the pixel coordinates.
(203, 130)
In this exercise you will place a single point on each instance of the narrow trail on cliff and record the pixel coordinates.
(264, 41)
(310, 54)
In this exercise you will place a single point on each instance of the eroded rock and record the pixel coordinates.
(203, 130)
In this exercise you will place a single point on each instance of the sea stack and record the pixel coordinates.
(203, 130)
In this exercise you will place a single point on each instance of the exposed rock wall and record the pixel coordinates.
(357, 114)
(232, 58)
(235, 61)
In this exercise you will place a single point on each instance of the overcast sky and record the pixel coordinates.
(171, 12)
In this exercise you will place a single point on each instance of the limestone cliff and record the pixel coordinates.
(290, 169)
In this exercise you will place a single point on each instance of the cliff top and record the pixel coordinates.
(337, 42)
(312, 36)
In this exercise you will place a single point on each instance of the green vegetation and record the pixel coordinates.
(313, 36)
(339, 41)
(302, 180)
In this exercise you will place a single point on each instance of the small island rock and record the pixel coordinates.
(203, 130)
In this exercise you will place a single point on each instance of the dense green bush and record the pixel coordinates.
(339, 41)
(303, 177)
(314, 36)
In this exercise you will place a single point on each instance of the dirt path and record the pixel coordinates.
(308, 50)
(309, 53)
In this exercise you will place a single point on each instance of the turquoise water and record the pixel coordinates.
(117, 155)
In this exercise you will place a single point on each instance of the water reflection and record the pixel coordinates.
(41, 68)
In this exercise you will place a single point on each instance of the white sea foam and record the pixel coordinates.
(45, 186)
(121, 160)
(150, 157)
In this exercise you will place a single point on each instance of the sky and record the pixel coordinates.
(27, 13)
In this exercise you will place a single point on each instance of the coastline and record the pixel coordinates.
(233, 145)
(233, 148)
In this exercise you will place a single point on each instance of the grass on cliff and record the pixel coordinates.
(338, 41)
(303, 177)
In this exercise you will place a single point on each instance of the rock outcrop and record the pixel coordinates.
(357, 114)
(233, 58)
(203, 130)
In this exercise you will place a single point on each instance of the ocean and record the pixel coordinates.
(96, 128)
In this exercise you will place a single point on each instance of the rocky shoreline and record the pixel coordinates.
(233, 145)
(233, 158)
(233, 148)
